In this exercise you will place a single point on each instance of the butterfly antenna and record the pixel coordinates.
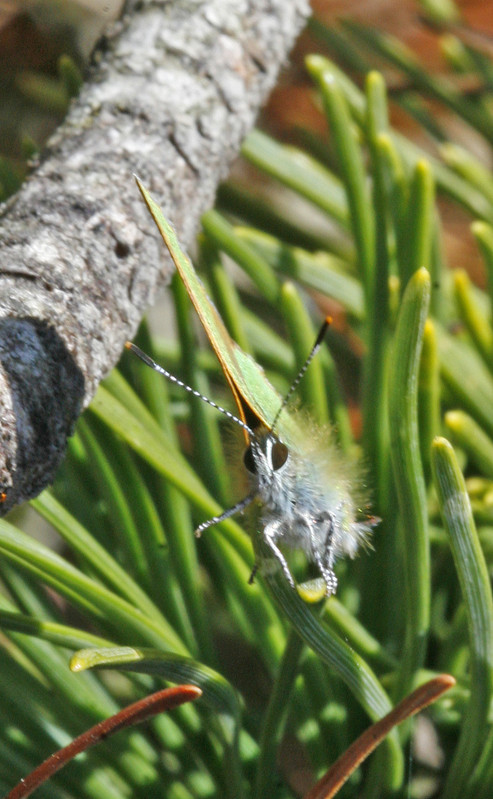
(294, 385)
(157, 368)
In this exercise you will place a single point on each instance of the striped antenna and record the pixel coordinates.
(294, 385)
(162, 371)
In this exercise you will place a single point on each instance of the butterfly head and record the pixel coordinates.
(265, 453)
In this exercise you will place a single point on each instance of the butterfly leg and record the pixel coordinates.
(255, 569)
(271, 531)
(324, 559)
(240, 506)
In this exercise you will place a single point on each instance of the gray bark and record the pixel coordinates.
(171, 97)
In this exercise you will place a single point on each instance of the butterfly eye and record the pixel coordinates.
(279, 455)
(249, 461)
(276, 452)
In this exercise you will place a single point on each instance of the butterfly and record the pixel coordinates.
(295, 472)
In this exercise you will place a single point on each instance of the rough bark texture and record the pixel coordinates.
(175, 89)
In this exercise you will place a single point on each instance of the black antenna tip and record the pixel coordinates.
(326, 324)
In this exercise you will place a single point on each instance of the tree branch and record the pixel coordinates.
(177, 86)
